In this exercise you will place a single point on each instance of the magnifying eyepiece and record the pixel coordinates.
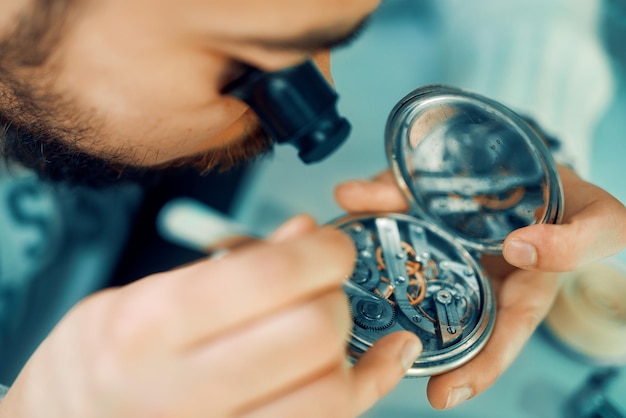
(296, 105)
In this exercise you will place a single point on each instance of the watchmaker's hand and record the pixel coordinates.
(260, 332)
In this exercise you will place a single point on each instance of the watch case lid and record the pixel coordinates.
(471, 165)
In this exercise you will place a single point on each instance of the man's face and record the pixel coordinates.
(145, 75)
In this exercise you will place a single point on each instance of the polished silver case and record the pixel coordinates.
(473, 171)
(471, 165)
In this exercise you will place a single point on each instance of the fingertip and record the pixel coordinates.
(458, 395)
(532, 247)
(346, 192)
(520, 253)
(546, 247)
(446, 391)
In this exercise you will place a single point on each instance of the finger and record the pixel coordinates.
(298, 225)
(215, 296)
(524, 300)
(382, 367)
(274, 354)
(347, 392)
(594, 227)
(326, 396)
(381, 194)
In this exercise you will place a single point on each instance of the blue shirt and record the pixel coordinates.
(58, 245)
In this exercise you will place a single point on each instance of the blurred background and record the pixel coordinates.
(561, 62)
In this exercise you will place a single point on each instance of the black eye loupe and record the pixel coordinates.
(296, 105)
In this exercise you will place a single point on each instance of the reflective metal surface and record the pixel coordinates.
(410, 275)
(473, 171)
(471, 165)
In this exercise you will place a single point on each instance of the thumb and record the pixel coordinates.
(594, 227)
(597, 231)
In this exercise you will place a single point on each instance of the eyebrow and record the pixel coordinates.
(316, 40)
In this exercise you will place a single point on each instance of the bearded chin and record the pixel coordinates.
(251, 145)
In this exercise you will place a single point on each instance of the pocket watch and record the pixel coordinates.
(473, 171)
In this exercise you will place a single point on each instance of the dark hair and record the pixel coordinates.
(37, 147)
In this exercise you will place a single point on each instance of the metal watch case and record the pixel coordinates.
(473, 171)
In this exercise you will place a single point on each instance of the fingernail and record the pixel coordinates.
(520, 253)
(411, 350)
(457, 396)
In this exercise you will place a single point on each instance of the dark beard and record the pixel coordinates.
(252, 144)
(59, 161)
